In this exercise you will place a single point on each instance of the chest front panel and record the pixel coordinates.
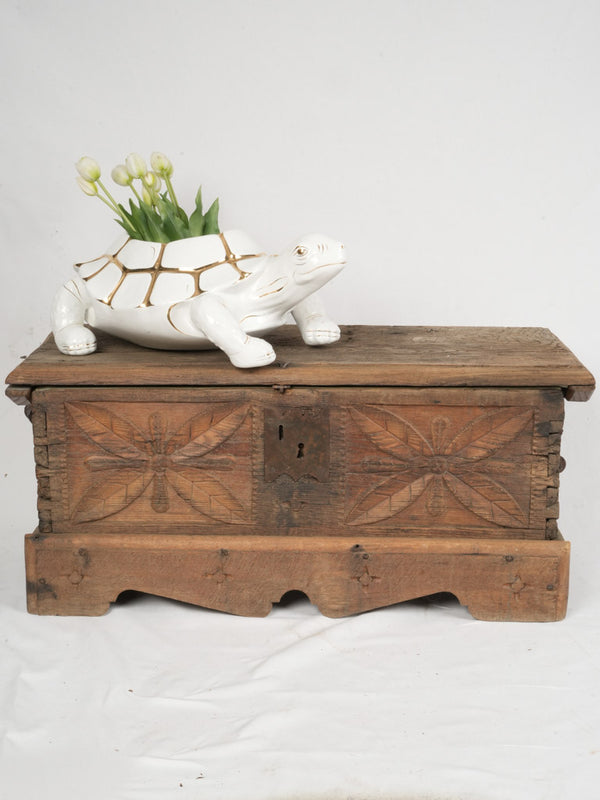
(325, 461)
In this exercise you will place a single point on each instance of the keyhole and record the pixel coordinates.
(300, 450)
(280, 432)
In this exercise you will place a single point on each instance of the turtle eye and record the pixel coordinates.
(300, 250)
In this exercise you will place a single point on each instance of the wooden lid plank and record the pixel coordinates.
(365, 356)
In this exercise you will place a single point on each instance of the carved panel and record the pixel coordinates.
(139, 462)
(420, 466)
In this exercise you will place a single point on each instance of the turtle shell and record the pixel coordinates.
(137, 274)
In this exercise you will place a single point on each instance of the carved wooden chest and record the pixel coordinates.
(398, 463)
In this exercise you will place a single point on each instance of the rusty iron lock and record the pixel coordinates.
(296, 443)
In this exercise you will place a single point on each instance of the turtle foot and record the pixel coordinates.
(255, 353)
(320, 331)
(75, 340)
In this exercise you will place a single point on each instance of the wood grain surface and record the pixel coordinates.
(327, 461)
(366, 355)
(501, 581)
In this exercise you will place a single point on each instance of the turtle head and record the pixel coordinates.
(315, 259)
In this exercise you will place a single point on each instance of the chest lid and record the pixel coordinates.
(365, 356)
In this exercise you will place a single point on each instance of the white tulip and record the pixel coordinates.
(152, 181)
(88, 168)
(161, 165)
(121, 176)
(136, 166)
(87, 186)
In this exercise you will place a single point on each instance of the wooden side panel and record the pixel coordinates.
(399, 462)
(502, 580)
(49, 477)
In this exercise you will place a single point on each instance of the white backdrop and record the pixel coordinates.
(454, 148)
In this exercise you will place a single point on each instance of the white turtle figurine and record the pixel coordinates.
(198, 293)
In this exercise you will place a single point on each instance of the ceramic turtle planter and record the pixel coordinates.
(215, 290)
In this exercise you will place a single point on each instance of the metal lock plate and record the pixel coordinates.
(296, 442)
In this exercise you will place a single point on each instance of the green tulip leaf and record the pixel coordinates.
(139, 222)
(198, 200)
(211, 219)
(170, 230)
(128, 228)
(153, 223)
(126, 222)
(183, 216)
(196, 223)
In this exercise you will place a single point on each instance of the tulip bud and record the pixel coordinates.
(120, 175)
(88, 168)
(146, 196)
(152, 181)
(87, 186)
(161, 165)
(136, 166)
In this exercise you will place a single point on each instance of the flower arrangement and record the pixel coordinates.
(152, 216)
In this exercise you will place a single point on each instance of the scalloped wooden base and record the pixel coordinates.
(501, 580)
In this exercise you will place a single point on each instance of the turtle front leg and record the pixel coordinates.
(68, 320)
(217, 323)
(315, 326)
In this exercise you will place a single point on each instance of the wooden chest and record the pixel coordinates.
(398, 463)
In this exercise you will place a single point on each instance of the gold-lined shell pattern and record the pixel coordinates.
(142, 274)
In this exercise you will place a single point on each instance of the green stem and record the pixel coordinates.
(153, 194)
(134, 190)
(107, 193)
(171, 191)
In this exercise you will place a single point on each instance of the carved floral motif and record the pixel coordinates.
(460, 467)
(135, 459)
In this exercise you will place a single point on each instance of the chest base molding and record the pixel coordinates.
(500, 580)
